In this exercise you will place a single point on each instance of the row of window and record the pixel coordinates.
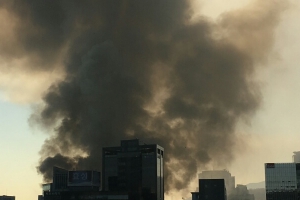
(282, 186)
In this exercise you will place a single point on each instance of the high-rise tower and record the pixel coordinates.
(133, 168)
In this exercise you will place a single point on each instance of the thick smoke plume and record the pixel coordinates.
(143, 69)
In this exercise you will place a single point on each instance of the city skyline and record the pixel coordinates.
(269, 136)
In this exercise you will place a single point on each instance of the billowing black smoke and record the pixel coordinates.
(143, 69)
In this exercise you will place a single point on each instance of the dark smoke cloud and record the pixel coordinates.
(142, 69)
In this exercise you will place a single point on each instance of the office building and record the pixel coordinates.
(220, 174)
(4, 197)
(282, 181)
(231, 192)
(210, 189)
(73, 185)
(60, 179)
(135, 169)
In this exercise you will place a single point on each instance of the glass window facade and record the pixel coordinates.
(133, 168)
(282, 181)
(212, 189)
(60, 179)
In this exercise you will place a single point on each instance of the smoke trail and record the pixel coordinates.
(144, 70)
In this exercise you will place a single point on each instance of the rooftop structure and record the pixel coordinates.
(296, 157)
(4, 197)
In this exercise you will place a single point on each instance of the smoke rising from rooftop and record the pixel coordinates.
(142, 69)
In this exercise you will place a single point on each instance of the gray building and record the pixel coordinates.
(241, 193)
(135, 169)
(282, 181)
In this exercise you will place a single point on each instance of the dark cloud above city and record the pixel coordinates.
(142, 69)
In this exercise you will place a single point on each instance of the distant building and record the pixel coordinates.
(282, 181)
(296, 157)
(241, 193)
(4, 197)
(135, 169)
(210, 189)
(220, 174)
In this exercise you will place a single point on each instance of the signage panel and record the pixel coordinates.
(80, 178)
(84, 178)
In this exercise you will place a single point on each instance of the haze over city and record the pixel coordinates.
(215, 83)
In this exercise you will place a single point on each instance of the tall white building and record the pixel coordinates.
(282, 181)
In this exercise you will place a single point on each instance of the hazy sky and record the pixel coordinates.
(272, 135)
